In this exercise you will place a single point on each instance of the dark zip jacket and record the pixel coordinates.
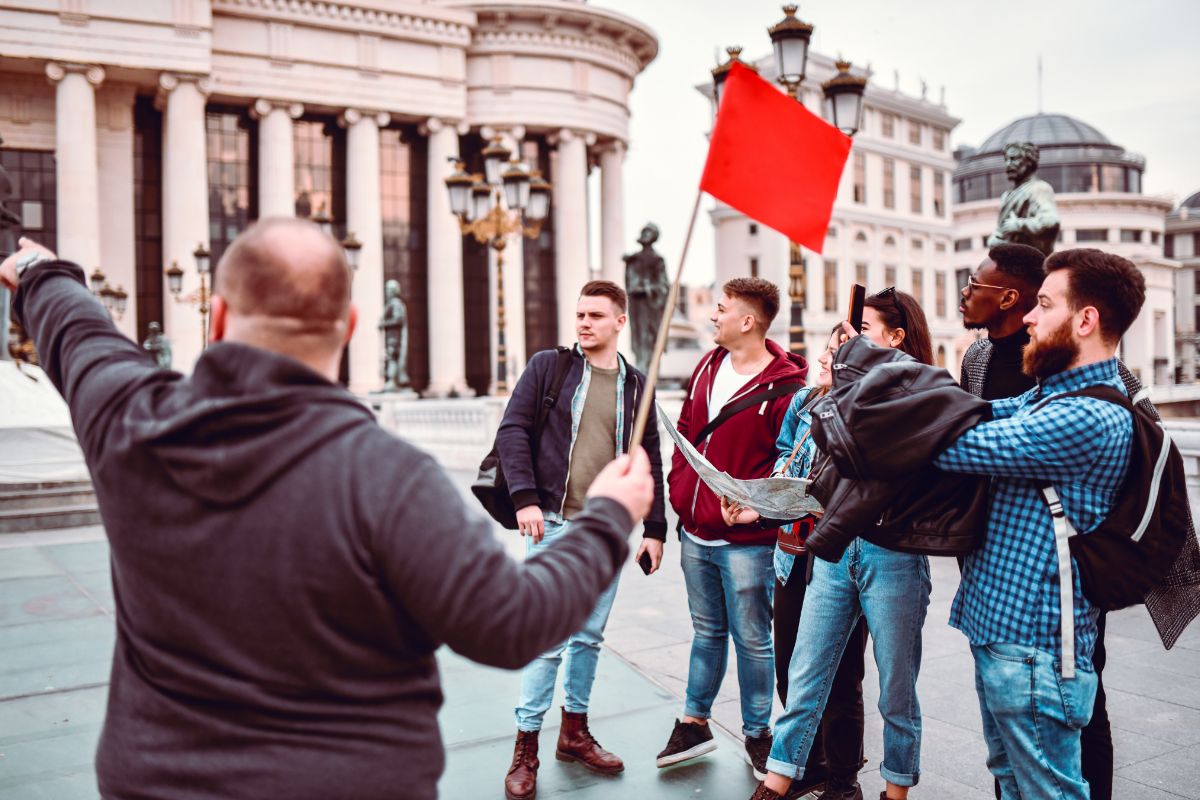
(283, 570)
(542, 480)
(884, 420)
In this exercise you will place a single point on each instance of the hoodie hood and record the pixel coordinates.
(255, 412)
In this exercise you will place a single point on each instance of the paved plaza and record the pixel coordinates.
(56, 637)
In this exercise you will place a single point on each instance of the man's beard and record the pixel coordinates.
(974, 326)
(1050, 356)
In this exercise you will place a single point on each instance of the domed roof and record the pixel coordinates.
(1191, 202)
(1044, 130)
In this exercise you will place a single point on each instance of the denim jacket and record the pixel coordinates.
(796, 424)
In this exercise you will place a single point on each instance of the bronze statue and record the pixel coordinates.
(1028, 214)
(158, 345)
(10, 225)
(647, 285)
(395, 330)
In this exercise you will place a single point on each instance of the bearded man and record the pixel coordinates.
(1008, 600)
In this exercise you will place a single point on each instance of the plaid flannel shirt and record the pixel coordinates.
(1009, 590)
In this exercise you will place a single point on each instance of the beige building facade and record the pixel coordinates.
(139, 131)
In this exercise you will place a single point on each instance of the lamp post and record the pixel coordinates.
(202, 297)
(843, 107)
(115, 300)
(507, 199)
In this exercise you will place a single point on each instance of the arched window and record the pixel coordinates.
(941, 355)
(890, 241)
(860, 237)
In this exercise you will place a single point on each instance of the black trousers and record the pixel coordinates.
(1095, 740)
(838, 744)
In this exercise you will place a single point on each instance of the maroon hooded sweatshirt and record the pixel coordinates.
(743, 446)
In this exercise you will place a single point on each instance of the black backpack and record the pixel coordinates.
(1137, 543)
(490, 487)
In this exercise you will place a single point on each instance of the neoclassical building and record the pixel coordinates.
(1098, 189)
(1182, 243)
(137, 131)
(891, 223)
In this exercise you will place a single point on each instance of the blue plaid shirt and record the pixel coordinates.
(1009, 591)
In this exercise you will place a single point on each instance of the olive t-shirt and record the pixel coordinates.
(595, 444)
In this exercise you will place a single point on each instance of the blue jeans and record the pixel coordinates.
(729, 592)
(582, 649)
(1032, 716)
(891, 590)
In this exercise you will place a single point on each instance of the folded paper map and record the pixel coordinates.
(775, 498)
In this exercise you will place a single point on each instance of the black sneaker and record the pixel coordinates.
(758, 749)
(688, 740)
(840, 788)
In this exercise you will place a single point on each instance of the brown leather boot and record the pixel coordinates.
(521, 781)
(576, 743)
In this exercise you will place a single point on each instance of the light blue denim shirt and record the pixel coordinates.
(796, 423)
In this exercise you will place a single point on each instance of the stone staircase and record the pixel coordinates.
(43, 506)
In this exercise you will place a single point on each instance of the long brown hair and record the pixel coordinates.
(901, 311)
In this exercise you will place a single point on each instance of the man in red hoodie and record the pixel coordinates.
(736, 401)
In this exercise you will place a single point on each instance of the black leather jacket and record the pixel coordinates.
(885, 419)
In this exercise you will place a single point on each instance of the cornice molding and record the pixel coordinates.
(558, 44)
(320, 13)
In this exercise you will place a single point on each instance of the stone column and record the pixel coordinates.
(184, 207)
(276, 158)
(514, 282)
(570, 229)
(447, 339)
(78, 192)
(612, 226)
(116, 172)
(364, 218)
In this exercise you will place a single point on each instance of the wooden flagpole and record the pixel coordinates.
(660, 344)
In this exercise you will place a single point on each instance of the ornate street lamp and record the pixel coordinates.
(844, 99)
(352, 247)
(201, 298)
(790, 38)
(115, 300)
(507, 199)
(721, 73)
(323, 220)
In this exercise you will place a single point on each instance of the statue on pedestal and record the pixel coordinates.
(10, 226)
(1028, 213)
(395, 331)
(158, 345)
(647, 286)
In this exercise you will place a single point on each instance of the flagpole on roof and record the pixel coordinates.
(660, 344)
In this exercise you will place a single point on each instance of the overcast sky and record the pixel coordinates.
(1129, 69)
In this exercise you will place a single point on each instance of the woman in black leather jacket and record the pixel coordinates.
(890, 589)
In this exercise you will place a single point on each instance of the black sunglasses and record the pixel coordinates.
(890, 294)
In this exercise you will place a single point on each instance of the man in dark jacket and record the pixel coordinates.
(588, 425)
(728, 571)
(283, 567)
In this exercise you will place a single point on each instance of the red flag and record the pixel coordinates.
(774, 160)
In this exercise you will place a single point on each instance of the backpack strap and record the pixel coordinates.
(1063, 531)
(752, 399)
(562, 365)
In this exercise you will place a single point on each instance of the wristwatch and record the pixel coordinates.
(33, 259)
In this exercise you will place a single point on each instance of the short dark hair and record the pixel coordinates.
(1022, 263)
(606, 289)
(917, 341)
(760, 294)
(1109, 283)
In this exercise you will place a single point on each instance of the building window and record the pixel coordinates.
(889, 241)
(914, 132)
(918, 285)
(860, 237)
(1128, 235)
(753, 267)
(940, 247)
(939, 289)
(147, 213)
(941, 356)
(34, 188)
(860, 273)
(889, 275)
(917, 244)
(1169, 247)
(961, 276)
(831, 300)
(1091, 235)
(962, 245)
(232, 176)
(1196, 319)
(1196, 243)
(402, 194)
(983, 241)
(831, 233)
(889, 183)
(754, 229)
(887, 125)
(939, 193)
(914, 184)
(939, 139)
(1196, 283)
(860, 177)
(320, 147)
(1154, 237)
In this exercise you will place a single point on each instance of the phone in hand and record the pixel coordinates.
(645, 563)
(858, 297)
